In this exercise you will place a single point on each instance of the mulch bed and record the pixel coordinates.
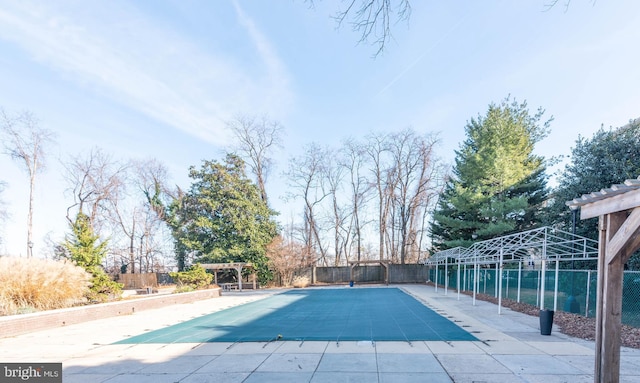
(570, 324)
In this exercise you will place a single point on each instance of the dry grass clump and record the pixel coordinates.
(301, 281)
(28, 284)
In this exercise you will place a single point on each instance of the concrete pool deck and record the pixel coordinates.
(510, 349)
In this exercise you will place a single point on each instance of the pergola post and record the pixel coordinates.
(609, 306)
(386, 272)
(618, 209)
(237, 266)
(239, 270)
(383, 262)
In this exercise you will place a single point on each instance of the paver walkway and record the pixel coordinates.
(510, 349)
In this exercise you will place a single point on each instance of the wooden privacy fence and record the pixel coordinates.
(369, 274)
(138, 281)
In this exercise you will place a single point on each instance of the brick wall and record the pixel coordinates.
(20, 324)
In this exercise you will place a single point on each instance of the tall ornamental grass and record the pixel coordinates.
(29, 284)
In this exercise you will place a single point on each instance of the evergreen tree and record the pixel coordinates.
(84, 248)
(609, 157)
(222, 218)
(498, 184)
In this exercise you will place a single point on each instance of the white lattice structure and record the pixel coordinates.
(545, 243)
(533, 247)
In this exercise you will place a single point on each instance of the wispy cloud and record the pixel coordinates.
(276, 75)
(422, 55)
(146, 66)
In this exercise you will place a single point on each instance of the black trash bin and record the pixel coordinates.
(546, 322)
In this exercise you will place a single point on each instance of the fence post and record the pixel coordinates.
(542, 283)
(555, 288)
(506, 289)
(495, 282)
(458, 277)
(499, 281)
(519, 279)
(538, 288)
(586, 310)
(446, 275)
(484, 290)
(475, 279)
(464, 281)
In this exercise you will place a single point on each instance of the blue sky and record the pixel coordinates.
(160, 78)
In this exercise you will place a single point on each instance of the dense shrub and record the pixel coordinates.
(103, 288)
(83, 247)
(301, 281)
(29, 284)
(196, 277)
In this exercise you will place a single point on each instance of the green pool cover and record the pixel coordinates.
(340, 314)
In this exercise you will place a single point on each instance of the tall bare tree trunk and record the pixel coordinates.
(25, 143)
(32, 184)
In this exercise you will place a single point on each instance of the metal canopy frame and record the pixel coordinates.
(545, 243)
(537, 246)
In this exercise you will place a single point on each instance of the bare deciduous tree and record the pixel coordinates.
(306, 176)
(286, 256)
(340, 215)
(257, 138)
(26, 142)
(416, 172)
(95, 180)
(354, 161)
(3, 211)
(377, 151)
(151, 178)
(372, 19)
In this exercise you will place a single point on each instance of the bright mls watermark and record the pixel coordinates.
(31, 372)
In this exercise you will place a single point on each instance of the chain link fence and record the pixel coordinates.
(575, 291)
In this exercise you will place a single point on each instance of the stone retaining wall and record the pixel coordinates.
(13, 325)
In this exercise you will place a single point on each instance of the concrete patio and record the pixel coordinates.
(510, 349)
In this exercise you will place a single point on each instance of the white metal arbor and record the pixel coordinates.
(537, 246)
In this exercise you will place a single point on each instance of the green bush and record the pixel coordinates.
(196, 277)
(103, 288)
(83, 247)
(183, 289)
(30, 284)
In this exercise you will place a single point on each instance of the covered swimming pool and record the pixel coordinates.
(325, 314)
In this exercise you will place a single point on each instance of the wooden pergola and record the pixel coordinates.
(238, 266)
(618, 209)
(383, 262)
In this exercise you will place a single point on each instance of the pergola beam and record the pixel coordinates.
(626, 238)
(617, 202)
(384, 263)
(237, 266)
